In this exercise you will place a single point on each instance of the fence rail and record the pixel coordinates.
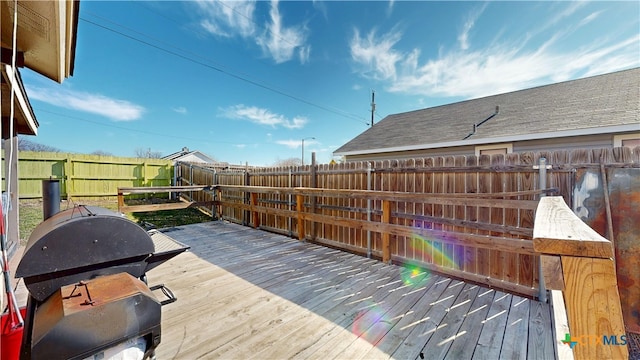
(444, 247)
(570, 174)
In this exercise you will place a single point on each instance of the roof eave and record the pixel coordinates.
(502, 139)
(22, 104)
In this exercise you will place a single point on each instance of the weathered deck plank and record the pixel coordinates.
(514, 345)
(471, 327)
(493, 327)
(245, 293)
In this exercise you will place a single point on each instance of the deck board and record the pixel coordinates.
(245, 293)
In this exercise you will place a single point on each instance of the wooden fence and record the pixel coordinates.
(88, 175)
(451, 178)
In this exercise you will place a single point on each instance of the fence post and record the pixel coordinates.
(120, 200)
(314, 185)
(246, 214)
(254, 211)
(144, 174)
(68, 172)
(219, 207)
(190, 181)
(173, 195)
(214, 182)
(300, 210)
(588, 277)
(290, 202)
(386, 219)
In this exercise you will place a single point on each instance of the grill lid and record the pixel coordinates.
(81, 243)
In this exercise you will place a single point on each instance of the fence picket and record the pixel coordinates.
(474, 175)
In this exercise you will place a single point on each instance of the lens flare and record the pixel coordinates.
(370, 323)
(431, 252)
(413, 275)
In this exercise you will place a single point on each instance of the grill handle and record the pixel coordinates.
(168, 293)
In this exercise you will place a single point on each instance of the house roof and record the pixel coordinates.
(607, 103)
(186, 153)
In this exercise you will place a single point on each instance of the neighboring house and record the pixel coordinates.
(190, 156)
(45, 43)
(595, 112)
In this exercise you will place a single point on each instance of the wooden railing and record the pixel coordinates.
(183, 204)
(463, 249)
(579, 262)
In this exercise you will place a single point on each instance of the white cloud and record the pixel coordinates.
(114, 109)
(279, 41)
(303, 53)
(463, 37)
(263, 117)
(237, 18)
(180, 110)
(228, 18)
(589, 18)
(296, 143)
(240, 146)
(500, 67)
(499, 70)
(376, 55)
(390, 7)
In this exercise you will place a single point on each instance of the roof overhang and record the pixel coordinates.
(46, 32)
(26, 122)
(496, 140)
(45, 43)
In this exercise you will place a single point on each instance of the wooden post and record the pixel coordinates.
(120, 200)
(300, 210)
(68, 172)
(590, 285)
(219, 199)
(386, 219)
(254, 211)
(313, 184)
(144, 174)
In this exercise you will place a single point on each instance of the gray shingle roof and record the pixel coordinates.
(589, 103)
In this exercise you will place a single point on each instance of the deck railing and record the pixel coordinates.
(496, 255)
(579, 262)
(575, 260)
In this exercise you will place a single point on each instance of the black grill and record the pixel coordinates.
(85, 269)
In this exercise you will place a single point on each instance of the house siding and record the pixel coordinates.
(575, 142)
(397, 155)
(567, 143)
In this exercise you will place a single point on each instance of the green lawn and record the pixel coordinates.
(30, 213)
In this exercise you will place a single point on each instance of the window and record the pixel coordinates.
(628, 140)
(494, 149)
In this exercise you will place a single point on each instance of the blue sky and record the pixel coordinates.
(247, 81)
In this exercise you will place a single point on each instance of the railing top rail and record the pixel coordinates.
(157, 189)
(558, 231)
(472, 199)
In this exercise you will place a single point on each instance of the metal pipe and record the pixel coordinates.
(369, 210)
(290, 201)
(542, 171)
(50, 198)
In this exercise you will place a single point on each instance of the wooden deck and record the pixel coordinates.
(245, 293)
